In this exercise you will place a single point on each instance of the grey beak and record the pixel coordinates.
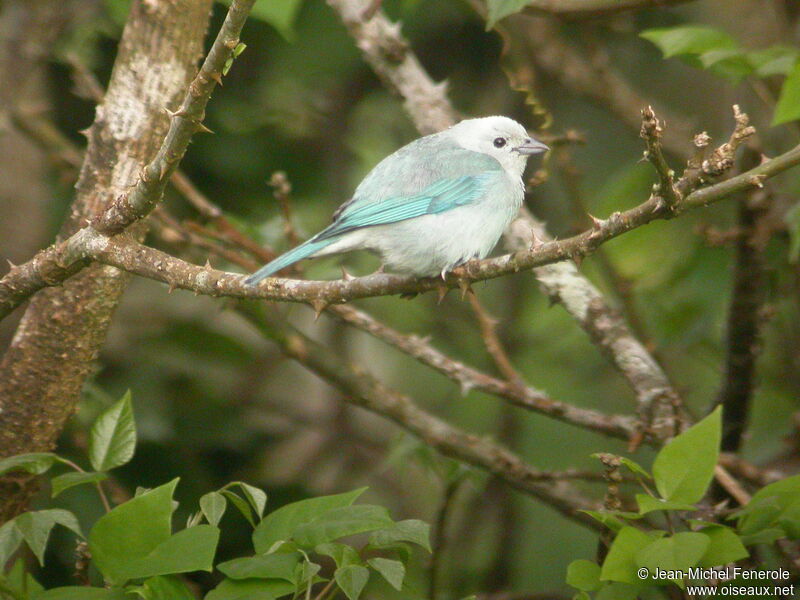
(531, 146)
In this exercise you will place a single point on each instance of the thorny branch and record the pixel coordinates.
(56, 263)
(362, 389)
(50, 266)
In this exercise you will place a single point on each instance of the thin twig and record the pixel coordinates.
(491, 340)
(441, 539)
(730, 485)
(362, 389)
(281, 188)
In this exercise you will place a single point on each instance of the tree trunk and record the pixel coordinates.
(64, 328)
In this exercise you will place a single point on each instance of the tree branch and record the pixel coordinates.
(55, 346)
(185, 122)
(362, 389)
(48, 267)
(58, 262)
(744, 320)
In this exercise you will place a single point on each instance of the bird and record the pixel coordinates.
(432, 205)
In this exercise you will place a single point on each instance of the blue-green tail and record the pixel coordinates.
(294, 255)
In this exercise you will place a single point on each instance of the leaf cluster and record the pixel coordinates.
(138, 553)
(641, 553)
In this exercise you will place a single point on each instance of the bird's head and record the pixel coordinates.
(501, 138)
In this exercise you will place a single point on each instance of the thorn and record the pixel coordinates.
(163, 171)
(442, 290)
(11, 265)
(635, 441)
(85, 132)
(578, 260)
(466, 386)
(345, 275)
(217, 77)
(171, 287)
(208, 266)
(596, 223)
(757, 180)
(318, 306)
(202, 128)
(465, 286)
(177, 113)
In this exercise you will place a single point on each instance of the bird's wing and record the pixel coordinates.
(438, 197)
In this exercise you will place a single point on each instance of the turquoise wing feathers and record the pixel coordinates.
(443, 195)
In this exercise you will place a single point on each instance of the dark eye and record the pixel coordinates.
(499, 142)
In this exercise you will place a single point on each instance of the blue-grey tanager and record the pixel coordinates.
(433, 204)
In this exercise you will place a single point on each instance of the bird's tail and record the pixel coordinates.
(294, 255)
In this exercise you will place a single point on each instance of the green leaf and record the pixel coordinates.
(499, 9)
(729, 63)
(392, 571)
(68, 480)
(340, 522)
(188, 550)
(342, 554)
(725, 546)
(684, 467)
(256, 497)
(281, 14)
(765, 536)
(10, 539)
(584, 575)
(352, 580)
(409, 530)
(242, 505)
(34, 463)
(618, 591)
(281, 523)
(775, 60)
(19, 579)
(35, 527)
(250, 589)
(674, 553)
(688, 39)
(649, 504)
(112, 440)
(774, 505)
(79, 592)
(265, 566)
(788, 108)
(165, 588)
(131, 531)
(213, 506)
(609, 518)
(620, 563)
(305, 573)
(635, 467)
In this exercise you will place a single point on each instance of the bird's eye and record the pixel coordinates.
(499, 142)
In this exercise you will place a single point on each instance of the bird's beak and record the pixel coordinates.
(531, 146)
